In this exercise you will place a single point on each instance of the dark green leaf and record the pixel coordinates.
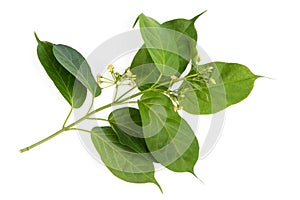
(122, 161)
(71, 89)
(127, 124)
(227, 84)
(76, 64)
(169, 138)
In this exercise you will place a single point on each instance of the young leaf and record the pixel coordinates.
(122, 161)
(70, 88)
(156, 44)
(76, 64)
(169, 137)
(227, 84)
(127, 124)
(145, 70)
(167, 50)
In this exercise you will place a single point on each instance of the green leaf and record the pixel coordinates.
(145, 70)
(169, 137)
(70, 88)
(122, 161)
(167, 50)
(185, 26)
(127, 124)
(227, 84)
(76, 64)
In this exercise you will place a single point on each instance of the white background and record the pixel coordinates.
(257, 156)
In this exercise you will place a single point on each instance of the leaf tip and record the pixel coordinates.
(137, 19)
(157, 184)
(259, 76)
(36, 37)
(192, 172)
(197, 16)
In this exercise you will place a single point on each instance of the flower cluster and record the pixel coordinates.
(117, 78)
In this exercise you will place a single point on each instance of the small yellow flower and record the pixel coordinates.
(209, 70)
(110, 68)
(212, 81)
(129, 73)
(132, 84)
(176, 108)
(99, 81)
(173, 77)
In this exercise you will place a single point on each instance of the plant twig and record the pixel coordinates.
(127, 92)
(79, 129)
(118, 101)
(43, 140)
(69, 127)
(116, 93)
(96, 118)
(68, 116)
(92, 103)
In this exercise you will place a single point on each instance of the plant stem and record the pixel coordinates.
(43, 140)
(92, 103)
(79, 129)
(101, 119)
(68, 116)
(128, 91)
(116, 93)
(107, 79)
(107, 86)
(157, 81)
(118, 102)
(69, 127)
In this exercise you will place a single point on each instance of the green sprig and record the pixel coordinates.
(155, 132)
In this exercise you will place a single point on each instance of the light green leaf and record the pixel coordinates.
(185, 26)
(146, 71)
(169, 137)
(167, 50)
(122, 161)
(227, 84)
(70, 88)
(127, 124)
(76, 64)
